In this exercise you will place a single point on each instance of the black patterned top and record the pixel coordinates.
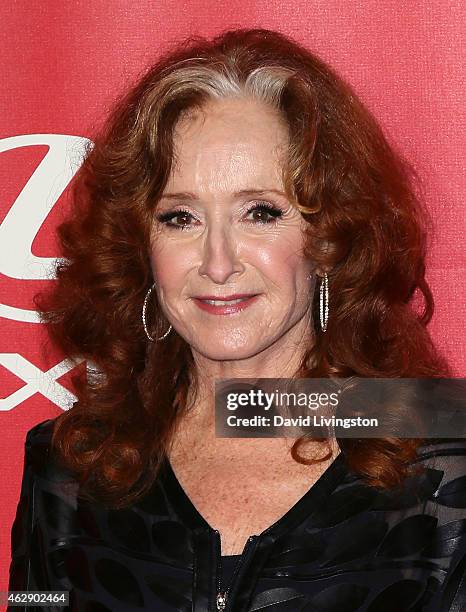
(343, 547)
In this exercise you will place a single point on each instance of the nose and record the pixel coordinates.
(220, 254)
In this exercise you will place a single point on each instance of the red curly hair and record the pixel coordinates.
(366, 225)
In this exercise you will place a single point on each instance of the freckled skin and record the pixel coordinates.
(233, 145)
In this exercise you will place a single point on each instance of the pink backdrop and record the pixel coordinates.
(64, 62)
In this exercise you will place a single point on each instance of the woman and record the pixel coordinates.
(241, 215)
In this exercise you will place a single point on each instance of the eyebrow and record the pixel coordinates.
(187, 195)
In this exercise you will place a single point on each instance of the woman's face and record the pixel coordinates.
(224, 226)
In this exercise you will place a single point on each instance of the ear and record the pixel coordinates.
(319, 272)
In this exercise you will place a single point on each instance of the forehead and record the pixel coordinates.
(229, 141)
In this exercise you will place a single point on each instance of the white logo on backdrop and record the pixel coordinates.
(37, 381)
(17, 233)
(30, 209)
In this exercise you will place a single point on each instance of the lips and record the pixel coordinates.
(226, 304)
(225, 298)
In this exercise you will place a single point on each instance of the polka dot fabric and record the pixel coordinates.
(343, 547)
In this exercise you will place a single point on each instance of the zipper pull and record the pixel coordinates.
(221, 600)
(222, 595)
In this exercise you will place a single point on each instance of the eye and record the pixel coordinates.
(167, 218)
(265, 212)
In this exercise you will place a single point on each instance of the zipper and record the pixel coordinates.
(222, 594)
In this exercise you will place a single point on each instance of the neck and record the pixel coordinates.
(282, 359)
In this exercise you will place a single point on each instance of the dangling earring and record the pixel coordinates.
(144, 309)
(323, 310)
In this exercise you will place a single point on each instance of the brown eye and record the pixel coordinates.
(265, 213)
(167, 219)
(184, 217)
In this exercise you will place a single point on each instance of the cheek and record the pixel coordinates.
(283, 264)
(158, 266)
(168, 268)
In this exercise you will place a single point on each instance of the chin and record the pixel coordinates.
(227, 353)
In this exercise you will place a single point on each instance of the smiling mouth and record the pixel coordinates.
(225, 299)
(226, 302)
(227, 305)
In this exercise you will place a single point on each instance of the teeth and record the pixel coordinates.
(224, 302)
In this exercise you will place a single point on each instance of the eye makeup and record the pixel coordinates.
(263, 207)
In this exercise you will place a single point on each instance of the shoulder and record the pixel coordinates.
(49, 493)
(38, 438)
(442, 446)
(447, 455)
(38, 442)
(444, 459)
(41, 464)
(46, 510)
